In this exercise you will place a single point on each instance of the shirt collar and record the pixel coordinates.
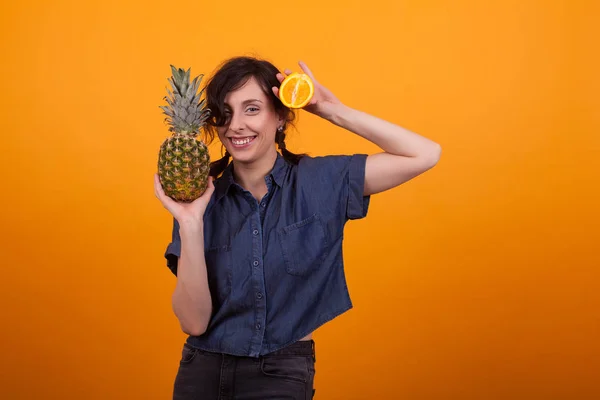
(279, 170)
(278, 173)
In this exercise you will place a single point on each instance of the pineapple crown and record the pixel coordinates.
(186, 113)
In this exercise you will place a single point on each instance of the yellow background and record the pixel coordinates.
(477, 280)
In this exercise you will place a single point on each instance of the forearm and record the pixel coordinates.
(192, 302)
(389, 137)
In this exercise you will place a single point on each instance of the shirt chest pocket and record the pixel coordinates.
(219, 264)
(304, 245)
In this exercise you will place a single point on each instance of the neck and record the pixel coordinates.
(251, 176)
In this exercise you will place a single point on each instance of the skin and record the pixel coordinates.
(403, 156)
(251, 116)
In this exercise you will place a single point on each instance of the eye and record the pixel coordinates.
(252, 109)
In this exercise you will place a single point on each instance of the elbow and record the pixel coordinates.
(193, 319)
(194, 332)
(197, 325)
(197, 329)
(433, 156)
(194, 323)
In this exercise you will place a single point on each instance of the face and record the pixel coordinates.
(249, 132)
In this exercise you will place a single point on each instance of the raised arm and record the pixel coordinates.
(405, 154)
(191, 299)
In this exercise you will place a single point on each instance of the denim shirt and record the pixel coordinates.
(275, 268)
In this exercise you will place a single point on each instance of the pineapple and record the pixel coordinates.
(184, 162)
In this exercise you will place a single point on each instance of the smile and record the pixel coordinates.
(242, 142)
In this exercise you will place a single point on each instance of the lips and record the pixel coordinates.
(240, 142)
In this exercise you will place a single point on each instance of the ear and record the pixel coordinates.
(281, 119)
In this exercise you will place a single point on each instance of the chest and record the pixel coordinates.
(286, 233)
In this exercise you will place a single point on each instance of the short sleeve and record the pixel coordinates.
(358, 203)
(173, 250)
(338, 180)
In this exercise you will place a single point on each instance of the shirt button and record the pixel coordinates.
(255, 263)
(262, 204)
(257, 326)
(255, 232)
(259, 295)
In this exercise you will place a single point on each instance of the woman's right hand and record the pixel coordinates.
(192, 212)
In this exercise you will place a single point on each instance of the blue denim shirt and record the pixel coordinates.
(275, 268)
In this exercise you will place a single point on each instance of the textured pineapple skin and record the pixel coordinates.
(183, 167)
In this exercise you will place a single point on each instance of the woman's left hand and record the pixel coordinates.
(323, 102)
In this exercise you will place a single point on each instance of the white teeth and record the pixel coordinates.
(241, 142)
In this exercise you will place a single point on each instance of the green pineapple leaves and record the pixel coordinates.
(186, 113)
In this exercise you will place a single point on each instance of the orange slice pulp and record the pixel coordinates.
(296, 90)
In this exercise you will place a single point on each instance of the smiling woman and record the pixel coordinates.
(246, 114)
(258, 257)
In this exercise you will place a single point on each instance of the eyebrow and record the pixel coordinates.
(248, 101)
(251, 101)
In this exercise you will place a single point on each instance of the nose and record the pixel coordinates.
(236, 123)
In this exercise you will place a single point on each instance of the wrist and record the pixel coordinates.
(339, 114)
(190, 226)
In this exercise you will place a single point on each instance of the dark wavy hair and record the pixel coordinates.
(231, 75)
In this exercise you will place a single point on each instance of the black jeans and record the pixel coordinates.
(285, 374)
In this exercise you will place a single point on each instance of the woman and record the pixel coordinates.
(258, 258)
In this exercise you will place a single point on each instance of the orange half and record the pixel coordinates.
(296, 90)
